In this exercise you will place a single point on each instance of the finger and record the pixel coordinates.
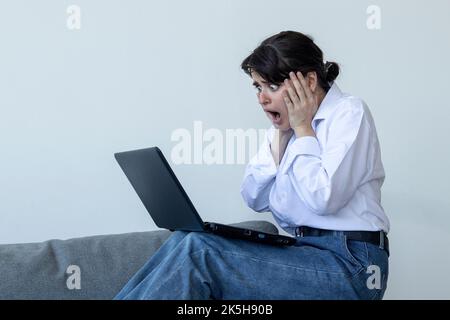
(288, 101)
(298, 86)
(304, 84)
(292, 92)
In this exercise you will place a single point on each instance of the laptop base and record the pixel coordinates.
(248, 234)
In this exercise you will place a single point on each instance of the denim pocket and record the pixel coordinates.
(356, 252)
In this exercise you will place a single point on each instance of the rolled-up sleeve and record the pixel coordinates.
(259, 176)
(325, 180)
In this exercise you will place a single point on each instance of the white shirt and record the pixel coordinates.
(329, 182)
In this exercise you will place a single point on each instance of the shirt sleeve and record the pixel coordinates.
(259, 176)
(325, 180)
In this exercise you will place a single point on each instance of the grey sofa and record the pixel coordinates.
(94, 267)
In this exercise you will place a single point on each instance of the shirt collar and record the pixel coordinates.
(327, 105)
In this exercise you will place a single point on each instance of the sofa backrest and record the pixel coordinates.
(94, 267)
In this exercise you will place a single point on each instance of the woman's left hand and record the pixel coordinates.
(299, 101)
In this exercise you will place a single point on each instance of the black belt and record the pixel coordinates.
(378, 238)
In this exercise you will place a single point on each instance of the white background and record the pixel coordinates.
(138, 70)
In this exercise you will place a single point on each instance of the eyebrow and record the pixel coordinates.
(257, 84)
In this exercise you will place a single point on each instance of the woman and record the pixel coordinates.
(318, 171)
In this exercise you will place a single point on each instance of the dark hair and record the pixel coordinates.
(289, 51)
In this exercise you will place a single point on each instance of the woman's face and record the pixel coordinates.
(271, 100)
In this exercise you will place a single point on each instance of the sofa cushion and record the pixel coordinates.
(94, 267)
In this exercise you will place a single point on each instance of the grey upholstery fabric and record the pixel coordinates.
(43, 270)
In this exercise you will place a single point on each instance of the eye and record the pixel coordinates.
(274, 87)
(257, 88)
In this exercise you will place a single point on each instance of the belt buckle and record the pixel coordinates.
(300, 232)
(381, 239)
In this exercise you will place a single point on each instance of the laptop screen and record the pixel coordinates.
(159, 189)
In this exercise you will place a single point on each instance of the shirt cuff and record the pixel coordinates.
(306, 145)
(303, 146)
(263, 161)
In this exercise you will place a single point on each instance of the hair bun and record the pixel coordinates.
(331, 71)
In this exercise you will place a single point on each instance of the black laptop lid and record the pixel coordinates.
(159, 189)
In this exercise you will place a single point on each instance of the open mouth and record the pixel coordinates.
(274, 115)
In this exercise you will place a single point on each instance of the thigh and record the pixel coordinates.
(315, 268)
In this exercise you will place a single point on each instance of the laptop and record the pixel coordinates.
(169, 205)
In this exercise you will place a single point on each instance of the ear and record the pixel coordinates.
(311, 80)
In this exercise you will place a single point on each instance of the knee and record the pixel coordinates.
(195, 236)
(198, 239)
(178, 235)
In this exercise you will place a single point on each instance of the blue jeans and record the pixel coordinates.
(197, 265)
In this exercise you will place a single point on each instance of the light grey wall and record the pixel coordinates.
(138, 70)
